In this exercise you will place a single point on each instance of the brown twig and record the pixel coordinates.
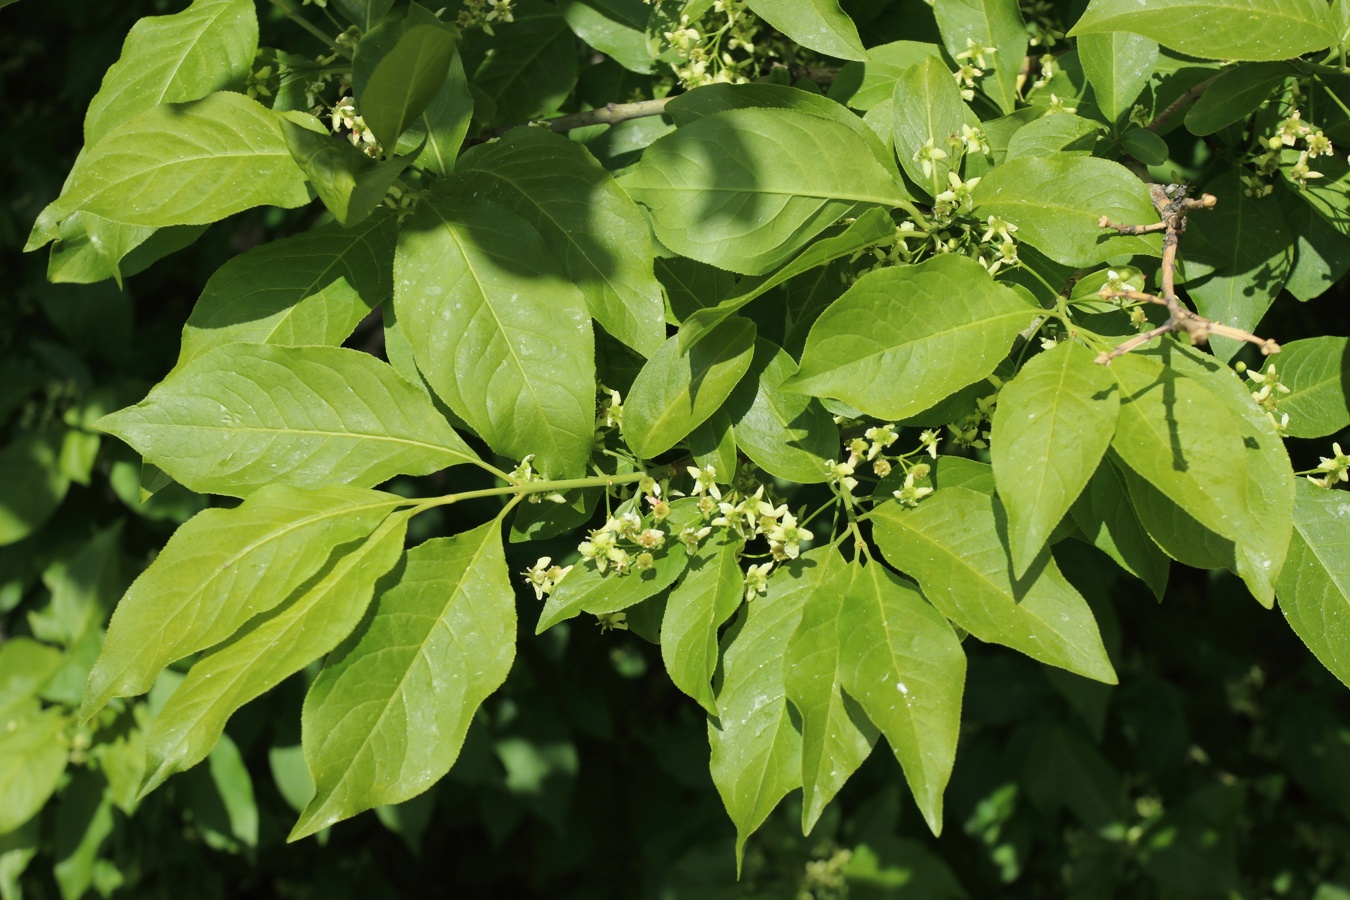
(1178, 104)
(1173, 206)
(609, 114)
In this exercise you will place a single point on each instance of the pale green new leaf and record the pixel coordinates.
(405, 80)
(1218, 29)
(499, 332)
(901, 661)
(787, 434)
(243, 416)
(313, 288)
(1314, 586)
(1118, 65)
(218, 571)
(836, 738)
(1317, 373)
(1234, 95)
(820, 25)
(903, 338)
(676, 392)
(587, 589)
(386, 717)
(746, 188)
(952, 544)
(33, 751)
(989, 23)
(756, 749)
(1056, 202)
(186, 164)
(267, 651)
(1051, 429)
(207, 47)
(709, 593)
(927, 109)
(596, 231)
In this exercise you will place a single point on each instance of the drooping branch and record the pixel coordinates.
(1173, 206)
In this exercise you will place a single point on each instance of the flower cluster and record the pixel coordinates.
(344, 115)
(971, 429)
(482, 13)
(524, 473)
(973, 62)
(720, 46)
(543, 576)
(1277, 151)
(909, 493)
(1043, 27)
(1334, 469)
(1267, 395)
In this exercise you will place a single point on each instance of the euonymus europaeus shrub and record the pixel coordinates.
(799, 354)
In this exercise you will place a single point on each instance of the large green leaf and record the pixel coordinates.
(218, 571)
(33, 753)
(1175, 531)
(746, 188)
(386, 717)
(1234, 95)
(528, 67)
(405, 80)
(787, 434)
(927, 109)
(1218, 29)
(952, 544)
(587, 589)
(903, 338)
(205, 48)
(1317, 373)
(901, 661)
(1051, 429)
(310, 289)
(989, 23)
(1118, 65)
(709, 593)
(865, 85)
(817, 24)
(598, 234)
(1314, 586)
(185, 164)
(1107, 519)
(243, 416)
(267, 651)
(500, 334)
(756, 749)
(1237, 258)
(836, 737)
(1056, 203)
(675, 392)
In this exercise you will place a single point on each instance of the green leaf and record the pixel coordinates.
(952, 545)
(617, 28)
(714, 444)
(1060, 133)
(1174, 530)
(498, 331)
(746, 188)
(1237, 259)
(26, 666)
(873, 226)
(387, 716)
(1314, 586)
(33, 753)
(1317, 373)
(818, 24)
(1218, 29)
(989, 23)
(405, 80)
(268, 650)
(364, 13)
(836, 736)
(1234, 95)
(218, 571)
(443, 124)
(186, 164)
(310, 289)
(1118, 65)
(1056, 202)
(708, 594)
(1145, 146)
(90, 248)
(243, 416)
(788, 435)
(756, 749)
(674, 393)
(1107, 519)
(598, 234)
(348, 182)
(866, 85)
(1321, 254)
(207, 47)
(902, 338)
(587, 589)
(1051, 429)
(33, 486)
(527, 69)
(901, 661)
(926, 111)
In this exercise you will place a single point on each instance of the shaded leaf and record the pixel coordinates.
(709, 593)
(787, 434)
(33, 751)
